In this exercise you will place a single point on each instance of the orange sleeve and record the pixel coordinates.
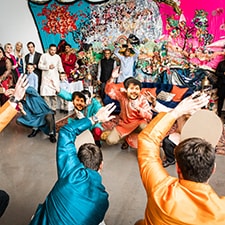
(150, 163)
(7, 112)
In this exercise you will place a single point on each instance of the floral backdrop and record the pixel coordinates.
(179, 41)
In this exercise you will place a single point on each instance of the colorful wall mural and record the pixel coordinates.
(169, 33)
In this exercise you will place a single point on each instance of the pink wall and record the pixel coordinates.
(215, 9)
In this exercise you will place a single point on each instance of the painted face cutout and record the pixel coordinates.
(133, 91)
(79, 103)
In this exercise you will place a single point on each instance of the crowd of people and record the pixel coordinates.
(33, 85)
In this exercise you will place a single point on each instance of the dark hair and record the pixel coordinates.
(86, 92)
(131, 80)
(107, 50)
(195, 158)
(30, 42)
(3, 51)
(90, 155)
(52, 45)
(30, 64)
(67, 44)
(79, 94)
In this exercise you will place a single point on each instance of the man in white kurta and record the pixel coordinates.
(51, 65)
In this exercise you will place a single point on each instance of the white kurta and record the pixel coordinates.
(50, 77)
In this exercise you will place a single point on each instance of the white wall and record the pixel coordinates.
(17, 24)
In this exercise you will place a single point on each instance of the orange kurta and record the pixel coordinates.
(172, 201)
(130, 118)
(7, 112)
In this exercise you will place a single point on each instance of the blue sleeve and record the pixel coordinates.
(66, 151)
(65, 95)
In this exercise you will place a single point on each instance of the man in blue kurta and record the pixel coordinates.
(78, 196)
(90, 109)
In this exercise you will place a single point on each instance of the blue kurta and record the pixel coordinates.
(36, 110)
(78, 197)
(90, 111)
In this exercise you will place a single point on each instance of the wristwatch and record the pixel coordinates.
(13, 99)
(95, 119)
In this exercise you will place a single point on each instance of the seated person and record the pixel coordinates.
(37, 114)
(135, 112)
(187, 199)
(78, 196)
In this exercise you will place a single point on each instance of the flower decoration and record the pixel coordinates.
(58, 20)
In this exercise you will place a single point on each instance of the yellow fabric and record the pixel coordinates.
(171, 201)
(7, 112)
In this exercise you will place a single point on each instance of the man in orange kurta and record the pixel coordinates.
(7, 112)
(135, 110)
(188, 199)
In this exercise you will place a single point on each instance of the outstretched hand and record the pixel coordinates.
(19, 91)
(191, 104)
(104, 113)
(116, 72)
(150, 98)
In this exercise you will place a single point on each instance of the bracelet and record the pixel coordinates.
(13, 100)
(95, 119)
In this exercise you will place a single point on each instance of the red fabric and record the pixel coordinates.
(68, 61)
(97, 133)
(179, 93)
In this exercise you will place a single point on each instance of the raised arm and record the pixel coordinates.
(66, 150)
(150, 164)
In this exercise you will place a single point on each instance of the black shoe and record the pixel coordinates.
(61, 111)
(167, 163)
(98, 143)
(124, 146)
(65, 111)
(33, 133)
(52, 138)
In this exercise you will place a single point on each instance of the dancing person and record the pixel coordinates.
(85, 106)
(7, 112)
(188, 199)
(127, 61)
(135, 112)
(37, 115)
(78, 196)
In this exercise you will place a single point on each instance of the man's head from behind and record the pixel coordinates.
(133, 87)
(91, 156)
(195, 160)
